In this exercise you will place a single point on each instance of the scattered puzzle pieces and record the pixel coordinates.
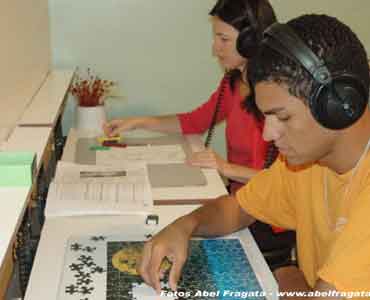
(213, 266)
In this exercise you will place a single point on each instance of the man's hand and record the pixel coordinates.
(171, 243)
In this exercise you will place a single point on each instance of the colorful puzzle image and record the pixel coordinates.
(105, 268)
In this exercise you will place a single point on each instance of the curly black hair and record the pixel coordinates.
(331, 40)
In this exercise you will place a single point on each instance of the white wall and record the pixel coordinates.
(159, 50)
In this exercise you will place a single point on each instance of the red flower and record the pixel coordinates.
(91, 91)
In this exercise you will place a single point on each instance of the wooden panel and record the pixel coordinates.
(6, 272)
(24, 55)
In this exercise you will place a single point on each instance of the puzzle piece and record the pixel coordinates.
(76, 267)
(98, 238)
(76, 247)
(86, 290)
(102, 139)
(71, 289)
(84, 281)
(89, 249)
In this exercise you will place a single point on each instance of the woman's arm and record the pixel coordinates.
(165, 124)
(238, 173)
(193, 122)
(210, 159)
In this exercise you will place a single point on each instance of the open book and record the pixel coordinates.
(99, 190)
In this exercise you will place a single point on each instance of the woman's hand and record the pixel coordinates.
(210, 159)
(165, 124)
(117, 126)
(171, 243)
(207, 159)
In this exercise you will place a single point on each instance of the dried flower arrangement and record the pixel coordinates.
(90, 90)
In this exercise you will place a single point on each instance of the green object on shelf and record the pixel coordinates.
(17, 169)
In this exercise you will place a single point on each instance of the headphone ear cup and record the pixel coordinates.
(247, 42)
(339, 104)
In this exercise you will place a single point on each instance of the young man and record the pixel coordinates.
(311, 82)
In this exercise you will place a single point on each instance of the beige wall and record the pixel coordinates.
(24, 53)
(354, 13)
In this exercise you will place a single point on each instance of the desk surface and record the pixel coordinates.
(34, 139)
(46, 272)
(49, 260)
(4, 134)
(16, 200)
(214, 187)
(40, 108)
(47, 103)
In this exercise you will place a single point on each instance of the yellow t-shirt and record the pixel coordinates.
(296, 200)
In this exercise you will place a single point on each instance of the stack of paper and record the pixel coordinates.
(159, 154)
(99, 190)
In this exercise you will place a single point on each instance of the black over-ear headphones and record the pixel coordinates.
(249, 37)
(337, 101)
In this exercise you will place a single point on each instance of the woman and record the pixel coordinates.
(246, 149)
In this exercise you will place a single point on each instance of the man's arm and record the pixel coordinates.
(221, 216)
(291, 281)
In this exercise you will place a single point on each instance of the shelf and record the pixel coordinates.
(48, 102)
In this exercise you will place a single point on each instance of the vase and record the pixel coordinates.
(91, 119)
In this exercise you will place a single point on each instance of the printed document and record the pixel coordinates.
(99, 190)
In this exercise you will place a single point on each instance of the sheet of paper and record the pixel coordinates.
(99, 190)
(153, 154)
(123, 171)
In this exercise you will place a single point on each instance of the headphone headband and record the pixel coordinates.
(252, 18)
(250, 36)
(284, 40)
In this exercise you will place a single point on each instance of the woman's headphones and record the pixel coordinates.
(250, 36)
(337, 101)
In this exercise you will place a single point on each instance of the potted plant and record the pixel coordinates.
(90, 92)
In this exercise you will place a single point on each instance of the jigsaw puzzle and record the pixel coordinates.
(100, 267)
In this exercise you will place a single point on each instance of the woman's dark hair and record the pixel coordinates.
(234, 13)
(332, 41)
